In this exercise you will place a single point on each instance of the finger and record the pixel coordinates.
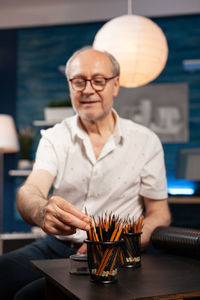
(64, 211)
(70, 208)
(65, 232)
(72, 220)
(56, 231)
(55, 226)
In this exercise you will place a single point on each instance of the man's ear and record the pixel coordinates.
(70, 87)
(116, 86)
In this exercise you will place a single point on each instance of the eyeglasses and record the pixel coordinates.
(98, 83)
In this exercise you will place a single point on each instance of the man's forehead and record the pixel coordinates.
(92, 54)
(90, 60)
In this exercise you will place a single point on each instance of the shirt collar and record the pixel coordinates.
(73, 124)
(118, 132)
(76, 130)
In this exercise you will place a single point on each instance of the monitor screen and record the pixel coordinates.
(189, 164)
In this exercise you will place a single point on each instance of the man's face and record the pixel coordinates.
(89, 103)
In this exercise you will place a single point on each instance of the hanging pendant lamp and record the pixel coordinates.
(138, 44)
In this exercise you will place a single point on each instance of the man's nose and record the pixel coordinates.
(88, 88)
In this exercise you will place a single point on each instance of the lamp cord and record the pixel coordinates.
(130, 8)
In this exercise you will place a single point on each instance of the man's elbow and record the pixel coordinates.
(21, 194)
(167, 219)
(18, 198)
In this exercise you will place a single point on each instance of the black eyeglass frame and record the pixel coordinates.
(90, 80)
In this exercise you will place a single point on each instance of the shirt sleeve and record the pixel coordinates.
(153, 174)
(46, 158)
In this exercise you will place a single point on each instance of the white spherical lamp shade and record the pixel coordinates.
(8, 135)
(138, 44)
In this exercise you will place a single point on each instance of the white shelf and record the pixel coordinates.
(19, 172)
(36, 233)
(43, 123)
(20, 235)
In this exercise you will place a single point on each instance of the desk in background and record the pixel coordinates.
(184, 200)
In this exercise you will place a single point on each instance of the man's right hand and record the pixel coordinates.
(60, 217)
(54, 216)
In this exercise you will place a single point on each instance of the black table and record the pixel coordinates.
(161, 276)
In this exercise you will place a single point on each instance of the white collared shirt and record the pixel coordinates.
(130, 165)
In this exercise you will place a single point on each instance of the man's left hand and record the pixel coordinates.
(82, 249)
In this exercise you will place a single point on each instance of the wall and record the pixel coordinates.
(41, 50)
(8, 54)
(183, 35)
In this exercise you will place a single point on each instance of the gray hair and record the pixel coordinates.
(114, 62)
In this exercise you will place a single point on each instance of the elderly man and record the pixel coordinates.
(95, 160)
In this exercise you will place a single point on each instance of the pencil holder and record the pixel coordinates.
(103, 261)
(130, 252)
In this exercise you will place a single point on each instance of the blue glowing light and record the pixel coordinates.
(181, 191)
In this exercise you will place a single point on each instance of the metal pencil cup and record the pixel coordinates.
(130, 254)
(103, 261)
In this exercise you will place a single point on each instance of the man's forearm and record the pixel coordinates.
(154, 218)
(30, 204)
(55, 215)
(150, 223)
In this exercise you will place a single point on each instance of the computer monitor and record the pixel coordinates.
(188, 168)
(189, 164)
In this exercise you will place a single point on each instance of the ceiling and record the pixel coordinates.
(26, 13)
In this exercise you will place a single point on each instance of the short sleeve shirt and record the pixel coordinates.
(129, 167)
